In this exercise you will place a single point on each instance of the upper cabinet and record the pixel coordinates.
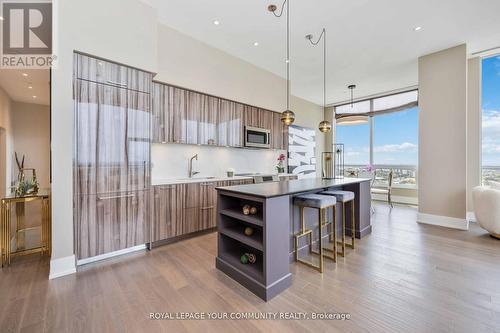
(183, 116)
(101, 71)
(230, 124)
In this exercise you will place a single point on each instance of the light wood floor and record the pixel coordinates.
(405, 277)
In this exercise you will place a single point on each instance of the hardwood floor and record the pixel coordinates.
(405, 277)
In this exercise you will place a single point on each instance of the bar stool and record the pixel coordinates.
(344, 197)
(320, 202)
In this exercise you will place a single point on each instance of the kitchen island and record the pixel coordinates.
(266, 237)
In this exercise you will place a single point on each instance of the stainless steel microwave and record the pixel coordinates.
(257, 137)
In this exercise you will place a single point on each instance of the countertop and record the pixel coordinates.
(277, 189)
(157, 182)
(172, 181)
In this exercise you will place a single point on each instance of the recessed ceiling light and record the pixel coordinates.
(216, 22)
(255, 43)
(25, 74)
(418, 28)
(30, 86)
(1, 18)
(34, 96)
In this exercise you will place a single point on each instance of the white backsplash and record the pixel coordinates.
(170, 161)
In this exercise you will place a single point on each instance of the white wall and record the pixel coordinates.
(474, 113)
(171, 160)
(6, 170)
(442, 136)
(31, 130)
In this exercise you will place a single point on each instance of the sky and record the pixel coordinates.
(491, 112)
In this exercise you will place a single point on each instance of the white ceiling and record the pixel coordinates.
(17, 86)
(372, 44)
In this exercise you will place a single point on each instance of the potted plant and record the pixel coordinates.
(280, 167)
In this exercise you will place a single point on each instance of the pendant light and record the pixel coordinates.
(287, 116)
(351, 87)
(325, 126)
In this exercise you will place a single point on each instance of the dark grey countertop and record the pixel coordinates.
(277, 189)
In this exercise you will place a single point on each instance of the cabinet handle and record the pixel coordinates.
(116, 197)
(207, 208)
(144, 174)
(116, 83)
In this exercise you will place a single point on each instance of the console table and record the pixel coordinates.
(6, 235)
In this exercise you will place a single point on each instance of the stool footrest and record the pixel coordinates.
(310, 264)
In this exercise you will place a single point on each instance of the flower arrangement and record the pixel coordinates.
(370, 168)
(280, 167)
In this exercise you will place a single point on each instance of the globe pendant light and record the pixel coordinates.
(287, 116)
(325, 126)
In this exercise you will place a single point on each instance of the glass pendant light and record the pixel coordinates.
(325, 126)
(287, 116)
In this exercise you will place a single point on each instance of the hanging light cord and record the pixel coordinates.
(282, 9)
(287, 2)
(323, 35)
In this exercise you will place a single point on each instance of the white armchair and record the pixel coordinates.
(487, 208)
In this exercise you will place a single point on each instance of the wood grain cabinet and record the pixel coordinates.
(111, 165)
(183, 116)
(230, 124)
(111, 222)
(182, 209)
(101, 71)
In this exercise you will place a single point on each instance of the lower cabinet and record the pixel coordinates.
(111, 222)
(183, 209)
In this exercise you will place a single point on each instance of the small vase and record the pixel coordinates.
(281, 169)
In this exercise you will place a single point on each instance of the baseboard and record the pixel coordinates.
(471, 217)
(396, 199)
(443, 221)
(110, 255)
(62, 266)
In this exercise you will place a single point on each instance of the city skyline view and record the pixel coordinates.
(395, 140)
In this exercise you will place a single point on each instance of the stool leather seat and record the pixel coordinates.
(314, 200)
(341, 196)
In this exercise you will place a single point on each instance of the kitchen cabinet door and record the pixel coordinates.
(175, 118)
(111, 222)
(208, 203)
(191, 207)
(207, 125)
(101, 163)
(138, 140)
(277, 132)
(194, 107)
(101, 71)
(112, 138)
(251, 116)
(230, 124)
(167, 218)
(265, 119)
(159, 101)
(139, 80)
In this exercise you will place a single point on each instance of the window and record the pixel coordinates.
(491, 119)
(357, 153)
(382, 132)
(395, 146)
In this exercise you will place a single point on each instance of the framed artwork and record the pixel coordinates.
(302, 151)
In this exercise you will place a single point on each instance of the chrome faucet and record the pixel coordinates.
(190, 171)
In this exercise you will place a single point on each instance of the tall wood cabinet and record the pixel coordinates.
(183, 116)
(111, 165)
